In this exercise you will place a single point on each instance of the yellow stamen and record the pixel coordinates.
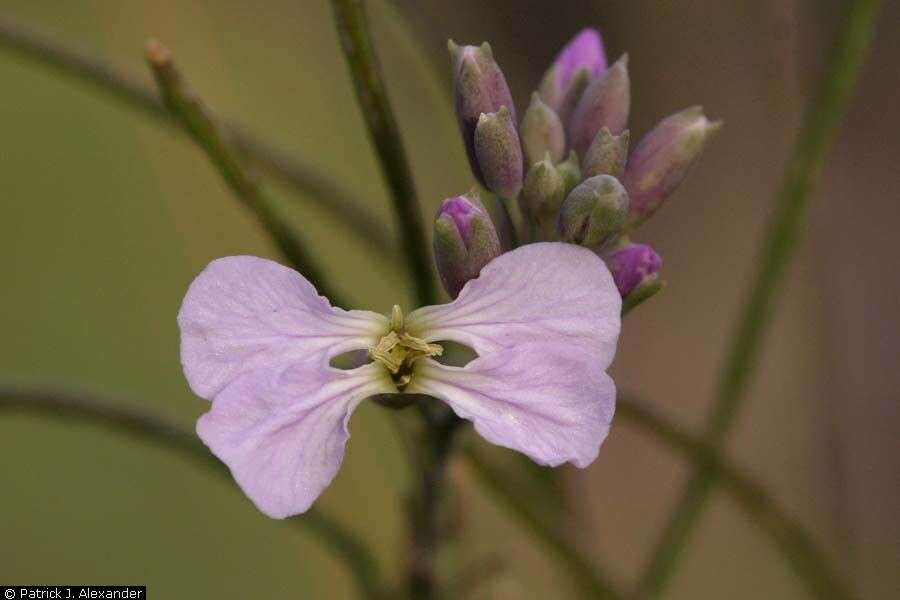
(398, 350)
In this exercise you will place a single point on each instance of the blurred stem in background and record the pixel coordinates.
(823, 117)
(147, 427)
(790, 538)
(796, 545)
(46, 50)
(197, 120)
(592, 580)
(794, 542)
(356, 42)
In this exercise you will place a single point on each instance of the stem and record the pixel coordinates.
(352, 27)
(45, 50)
(824, 115)
(639, 295)
(795, 543)
(147, 427)
(590, 579)
(425, 504)
(203, 129)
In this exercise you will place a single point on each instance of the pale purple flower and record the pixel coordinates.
(257, 340)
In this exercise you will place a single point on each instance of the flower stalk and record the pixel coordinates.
(83, 67)
(197, 120)
(371, 92)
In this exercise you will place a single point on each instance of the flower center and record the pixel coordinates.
(398, 351)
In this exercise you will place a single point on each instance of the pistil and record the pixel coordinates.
(397, 351)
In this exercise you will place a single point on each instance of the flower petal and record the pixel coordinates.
(282, 433)
(551, 401)
(243, 313)
(550, 293)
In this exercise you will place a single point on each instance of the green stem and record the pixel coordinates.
(591, 580)
(824, 115)
(199, 123)
(46, 50)
(356, 41)
(147, 427)
(435, 447)
(790, 538)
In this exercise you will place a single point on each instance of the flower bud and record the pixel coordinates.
(607, 154)
(579, 62)
(594, 212)
(605, 103)
(663, 158)
(570, 172)
(635, 270)
(499, 153)
(464, 241)
(478, 87)
(542, 197)
(542, 132)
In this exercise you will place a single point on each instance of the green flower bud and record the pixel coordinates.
(478, 87)
(594, 212)
(541, 198)
(570, 171)
(499, 153)
(542, 132)
(607, 155)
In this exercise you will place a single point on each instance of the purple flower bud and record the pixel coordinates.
(663, 158)
(605, 103)
(579, 62)
(499, 153)
(542, 132)
(633, 267)
(594, 212)
(479, 87)
(464, 241)
(607, 154)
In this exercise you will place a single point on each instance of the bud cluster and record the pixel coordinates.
(564, 172)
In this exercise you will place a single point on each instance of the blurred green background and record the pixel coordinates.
(106, 216)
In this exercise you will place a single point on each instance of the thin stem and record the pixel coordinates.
(792, 540)
(356, 41)
(46, 50)
(824, 115)
(205, 131)
(590, 579)
(789, 537)
(147, 427)
(436, 446)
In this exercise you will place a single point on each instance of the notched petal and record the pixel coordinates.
(539, 293)
(551, 402)
(244, 313)
(282, 434)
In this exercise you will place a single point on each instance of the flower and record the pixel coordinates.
(257, 340)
